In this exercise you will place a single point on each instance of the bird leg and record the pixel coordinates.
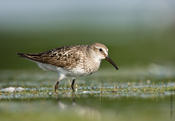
(72, 85)
(56, 85)
(60, 77)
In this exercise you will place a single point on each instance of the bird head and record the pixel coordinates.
(100, 52)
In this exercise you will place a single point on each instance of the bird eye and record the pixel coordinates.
(100, 50)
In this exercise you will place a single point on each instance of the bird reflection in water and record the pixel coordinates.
(82, 111)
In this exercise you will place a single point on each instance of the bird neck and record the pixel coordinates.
(94, 62)
(91, 54)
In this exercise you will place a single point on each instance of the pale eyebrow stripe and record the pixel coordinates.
(105, 52)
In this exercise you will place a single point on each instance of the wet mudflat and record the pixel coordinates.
(106, 95)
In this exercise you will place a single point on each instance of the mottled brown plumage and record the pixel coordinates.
(71, 61)
(65, 57)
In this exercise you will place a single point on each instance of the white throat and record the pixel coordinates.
(97, 59)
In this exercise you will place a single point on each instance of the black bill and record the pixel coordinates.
(110, 61)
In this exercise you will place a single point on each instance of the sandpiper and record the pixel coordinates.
(71, 61)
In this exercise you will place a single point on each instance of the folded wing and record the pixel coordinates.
(64, 57)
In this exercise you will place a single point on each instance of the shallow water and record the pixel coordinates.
(28, 95)
(88, 108)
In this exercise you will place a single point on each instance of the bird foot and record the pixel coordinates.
(56, 86)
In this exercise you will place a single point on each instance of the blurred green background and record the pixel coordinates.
(138, 32)
(140, 35)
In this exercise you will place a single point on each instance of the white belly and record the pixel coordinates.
(78, 71)
(47, 67)
(68, 73)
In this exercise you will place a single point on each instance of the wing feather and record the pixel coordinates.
(65, 57)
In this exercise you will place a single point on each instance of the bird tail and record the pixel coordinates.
(22, 54)
(27, 56)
